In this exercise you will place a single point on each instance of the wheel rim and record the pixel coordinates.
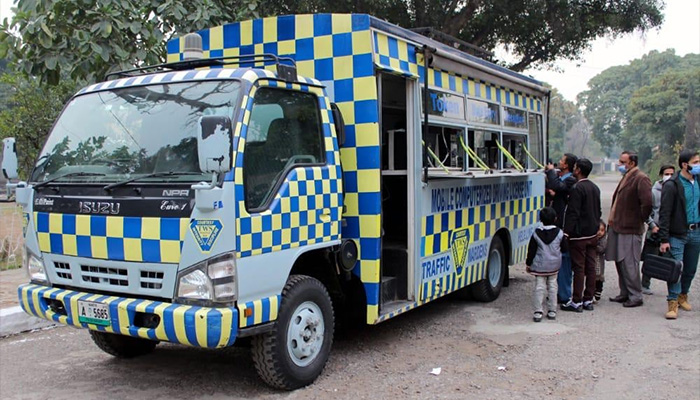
(494, 267)
(305, 334)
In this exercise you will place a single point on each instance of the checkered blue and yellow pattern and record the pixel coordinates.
(139, 239)
(188, 325)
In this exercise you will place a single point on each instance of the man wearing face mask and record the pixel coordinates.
(651, 243)
(679, 227)
(631, 206)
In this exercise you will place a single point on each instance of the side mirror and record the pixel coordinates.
(339, 124)
(9, 158)
(215, 144)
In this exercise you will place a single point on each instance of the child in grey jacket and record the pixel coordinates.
(543, 261)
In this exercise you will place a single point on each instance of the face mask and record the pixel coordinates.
(665, 178)
(694, 169)
(622, 168)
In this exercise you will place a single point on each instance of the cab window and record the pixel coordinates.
(284, 131)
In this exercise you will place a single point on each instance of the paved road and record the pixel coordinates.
(610, 353)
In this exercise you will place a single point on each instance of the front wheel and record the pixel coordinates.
(122, 346)
(295, 352)
(488, 289)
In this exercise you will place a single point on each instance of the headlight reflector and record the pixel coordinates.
(35, 267)
(195, 285)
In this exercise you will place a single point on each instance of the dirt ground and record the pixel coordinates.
(485, 351)
(10, 235)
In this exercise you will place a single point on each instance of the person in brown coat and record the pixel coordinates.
(631, 206)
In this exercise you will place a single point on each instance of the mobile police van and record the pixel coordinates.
(304, 169)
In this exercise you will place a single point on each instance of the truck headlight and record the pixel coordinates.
(213, 280)
(35, 267)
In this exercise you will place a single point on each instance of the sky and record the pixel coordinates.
(680, 30)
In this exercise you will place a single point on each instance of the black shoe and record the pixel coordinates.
(619, 299)
(537, 317)
(631, 303)
(570, 306)
(588, 306)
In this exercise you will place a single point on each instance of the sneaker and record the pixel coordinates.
(537, 317)
(571, 306)
(647, 290)
(588, 305)
(552, 315)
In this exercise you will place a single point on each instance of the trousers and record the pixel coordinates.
(688, 250)
(583, 263)
(545, 286)
(564, 278)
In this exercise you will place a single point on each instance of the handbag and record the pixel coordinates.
(664, 267)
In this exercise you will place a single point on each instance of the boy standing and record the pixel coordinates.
(544, 260)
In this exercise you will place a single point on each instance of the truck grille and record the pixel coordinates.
(151, 280)
(63, 270)
(108, 276)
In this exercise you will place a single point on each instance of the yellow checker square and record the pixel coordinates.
(437, 223)
(269, 30)
(319, 231)
(348, 158)
(361, 42)
(286, 236)
(395, 63)
(286, 47)
(326, 186)
(267, 239)
(258, 48)
(370, 226)
(367, 134)
(246, 33)
(55, 223)
(304, 26)
(132, 249)
(285, 204)
(317, 173)
(82, 225)
(255, 224)
(169, 251)
(303, 232)
(184, 225)
(351, 206)
(369, 270)
(115, 227)
(98, 246)
(246, 242)
(323, 47)
(44, 242)
(231, 52)
(301, 174)
(216, 38)
(294, 219)
(364, 88)
(368, 180)
(276, 222)
(150, 228)
(444, 241)
(403, 51)
(472, 87)
(341, 23)
(70, 245)
(173, 57)
(342, 67)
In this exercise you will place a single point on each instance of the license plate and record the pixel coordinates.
(93, 313)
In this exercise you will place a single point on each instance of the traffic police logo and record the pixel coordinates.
(460, 244)
(205, 232)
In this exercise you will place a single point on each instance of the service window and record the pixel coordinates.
(535, 146)
(484, 144)
(284, 130)
(446, 147)
(514, 144)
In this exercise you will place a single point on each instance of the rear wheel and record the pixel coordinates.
(294, 353)
(488, 289)
(122, 346)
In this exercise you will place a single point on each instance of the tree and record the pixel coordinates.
(563, 116)
(606, 102)
(87, 38)
(32, 109)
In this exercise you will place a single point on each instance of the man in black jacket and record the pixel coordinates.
(581, 224)
(559, 185)
(679, 227)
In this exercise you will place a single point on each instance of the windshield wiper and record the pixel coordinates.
(68, 175)
(151, 175)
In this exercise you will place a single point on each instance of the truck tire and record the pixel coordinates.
(122, 346)
(488, 289)
(295, 352)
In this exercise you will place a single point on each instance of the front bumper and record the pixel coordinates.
(189, 325)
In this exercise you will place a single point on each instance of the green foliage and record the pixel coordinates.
(30, 114)
(606, 102)
(86, 39)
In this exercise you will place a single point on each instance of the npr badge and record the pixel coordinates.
(205, 232)
(460, 244)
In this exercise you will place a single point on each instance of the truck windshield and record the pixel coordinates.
(121, 134)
